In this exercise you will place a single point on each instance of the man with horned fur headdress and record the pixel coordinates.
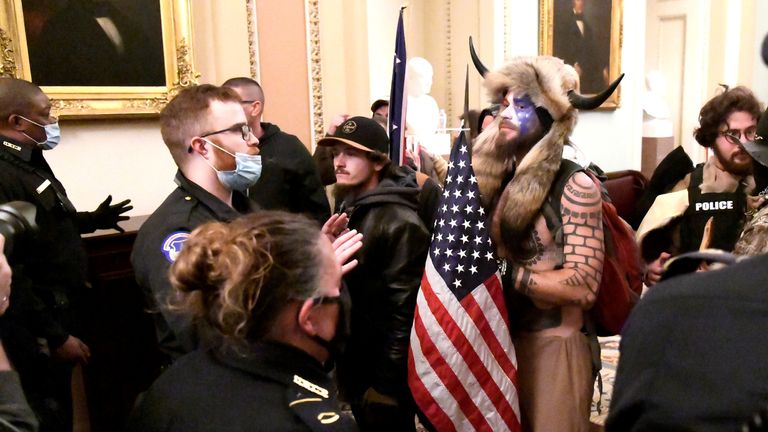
(548, 288)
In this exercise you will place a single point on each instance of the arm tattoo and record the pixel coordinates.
(583, 247)
(526, 281)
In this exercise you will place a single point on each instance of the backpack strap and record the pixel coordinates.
(551, 210)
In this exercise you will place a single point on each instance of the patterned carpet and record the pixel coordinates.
(609, 353)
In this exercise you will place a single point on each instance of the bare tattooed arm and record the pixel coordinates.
(583, 249)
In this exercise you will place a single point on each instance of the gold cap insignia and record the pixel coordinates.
(349, 127)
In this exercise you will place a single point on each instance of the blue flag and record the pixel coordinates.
(397, 98)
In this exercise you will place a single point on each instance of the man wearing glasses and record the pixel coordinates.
(706, 209)
(291, 181)
(218, 159)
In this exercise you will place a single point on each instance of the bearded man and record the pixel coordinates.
(551, 278)
(716, 190)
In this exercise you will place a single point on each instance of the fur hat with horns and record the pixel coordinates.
(553, 86)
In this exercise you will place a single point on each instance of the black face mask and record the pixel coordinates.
(336, 345)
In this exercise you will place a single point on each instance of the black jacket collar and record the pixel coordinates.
(22, 151)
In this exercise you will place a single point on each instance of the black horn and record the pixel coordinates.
(591, 102)
(476, 60)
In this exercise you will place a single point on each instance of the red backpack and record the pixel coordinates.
(621, 283)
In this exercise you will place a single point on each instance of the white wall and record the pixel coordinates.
(760, 70)
(124, 158)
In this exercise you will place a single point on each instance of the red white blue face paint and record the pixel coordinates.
(521, 112)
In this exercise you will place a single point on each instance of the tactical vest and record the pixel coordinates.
(727, 209)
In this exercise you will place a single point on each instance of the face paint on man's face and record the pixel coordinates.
(525, 111)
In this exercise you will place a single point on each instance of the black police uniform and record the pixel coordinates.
(49, 277)
(271, 387)
(726, 209)
(158, 243)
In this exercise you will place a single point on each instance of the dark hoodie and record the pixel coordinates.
(289, 179)
(383, 287)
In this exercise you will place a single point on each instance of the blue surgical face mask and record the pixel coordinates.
(246, 173)
(52, 134)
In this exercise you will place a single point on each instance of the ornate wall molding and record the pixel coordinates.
(448, 64)
(8, 66)
(253, 39)
(315, 69)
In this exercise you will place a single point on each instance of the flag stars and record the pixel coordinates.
(460, 180)
(446, 193)
(462, 253)
(449, 253)
(473, 269)
(478, 240)
(455, 209)
(471, 194)
(481, 211)
(462, 164)
(457, 193)
(436, 252)
(473, 179)
(464, 238)
(447, 267)
(444, 208)
(441, 223)
(460, 268)
(476, 254)
(448, 179)
(489, 256)
(457, 283)
(480, 224)
(451, 238)
(463, 149)
(467, 224)
(453, 223)
(439, 237)
(468, 209)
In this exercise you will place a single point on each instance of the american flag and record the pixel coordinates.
(397, 98)
(462, 367)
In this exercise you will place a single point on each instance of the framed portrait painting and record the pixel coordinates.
(99, 57)
(586, 34)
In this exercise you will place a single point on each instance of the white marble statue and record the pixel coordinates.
(422, 116)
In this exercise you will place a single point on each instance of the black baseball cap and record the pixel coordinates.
(361, 133)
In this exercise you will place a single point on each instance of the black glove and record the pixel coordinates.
(107, 216)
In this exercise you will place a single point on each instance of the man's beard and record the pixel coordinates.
(739, 169)
(518, 146)
(341, 192)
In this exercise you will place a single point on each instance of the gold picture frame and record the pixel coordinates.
(596, 40)
(87, 101)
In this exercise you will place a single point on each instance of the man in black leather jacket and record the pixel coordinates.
(382, 202)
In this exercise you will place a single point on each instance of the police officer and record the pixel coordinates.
(49, 270)
(208, 136)
(714, 195)
(206, 131)
(267, 289)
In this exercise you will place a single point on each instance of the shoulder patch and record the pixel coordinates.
(314, 388)
(173, 244)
